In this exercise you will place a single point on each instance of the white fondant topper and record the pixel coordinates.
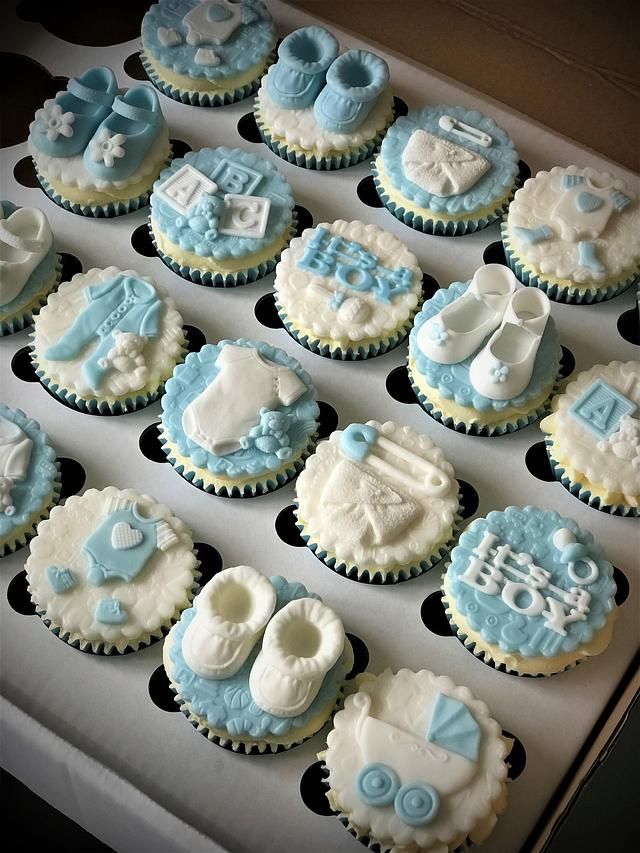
(224, 413)
(300, 645)
(231, 613)
(15, 455)
(465, 131)
(184, 188)
(213, 21)
(441, 167)
(244, 216)
(25, 239)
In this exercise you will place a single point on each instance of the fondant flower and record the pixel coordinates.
(499, 373)
(52, 121)
(438, 333)
(106, 146)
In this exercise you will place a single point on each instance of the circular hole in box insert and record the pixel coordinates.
(195, 338)
(70, 266)
(22, 366)
(286, 529)
(360, 656)
(328, 419)
(142, 242)
(567, 362)
(133, 67)
(629, 325)
(537, 461)
(18, 595)
(524, 173)
(266, 312)
(210, 561)
(367, 192)
(248, 129)
(314, 791)
(161, 694)
(622, 586)
(517, 758)
(400, 107)
(179, 148)
(150, 446)
(433, 615)
(73, 477)
(399, 386)
(25, 174)
(469, 499)
(429, 286)
(304, 219)
(31, 85)
(494, 254)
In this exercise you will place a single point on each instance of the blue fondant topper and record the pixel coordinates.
(60, 580)
(110, 611)
(356, 441)
(353, 266)
(453, 727)
(600, 408)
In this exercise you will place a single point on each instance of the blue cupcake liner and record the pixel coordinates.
(351, 353)
(262, 487)
(568, 293)
(24, 317)
(204, 99)
(105, 649)
(583, 494)
(209, 279)
(14, 544)
(438, 227)
(404, 573)
(472, 429)
(322, 164)
(485, 657)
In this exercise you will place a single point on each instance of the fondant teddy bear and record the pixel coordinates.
(126, 355)
(271, 434)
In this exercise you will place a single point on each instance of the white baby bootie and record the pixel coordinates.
(503, 368)
(231, 612)
(459, 329)
(300, 645)
(25, 238)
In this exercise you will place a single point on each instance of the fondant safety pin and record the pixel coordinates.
(357, 442)
(466, 131)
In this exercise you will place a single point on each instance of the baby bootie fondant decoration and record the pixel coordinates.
(231, 613)
(303, 59)
(355, 81)
(300, 645)
(458, 330)
(64, 125)
(503, 368)
(25, 239)
(122, 140)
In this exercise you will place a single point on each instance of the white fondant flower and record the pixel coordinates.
(106, 146)
(52, 121)
(438, 333)
(499, 372)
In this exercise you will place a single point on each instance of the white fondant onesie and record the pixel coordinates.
(15, 455)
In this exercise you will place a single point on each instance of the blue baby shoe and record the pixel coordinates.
(63, 126)
(355, 81)
(122, 141)
(299, 74)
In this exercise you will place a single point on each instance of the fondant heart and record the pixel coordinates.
(206, 56)
(588, 202)
(169, 37)
(124, 536)
(218, 13)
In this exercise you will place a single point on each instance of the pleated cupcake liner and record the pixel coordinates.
(583, 493)
(211, 279)
(393, 576)
(103, 648)
(245, 747)
(204, 99)
(14, 543)
(484, 655)
(520, 422)
(352, 353)
(569, 293)
(19, 320)
(249, 490)
(320, 163)
(438, 227)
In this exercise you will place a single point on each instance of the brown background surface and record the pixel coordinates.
(573, 65)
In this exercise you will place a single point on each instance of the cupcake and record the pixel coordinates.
(347, 290)
(446, 170)
(258, 664)
(484, 355)
(221, 216)
(107, 341)
(29, 478)
(111, 570)
(530, 592)
(415, 763)
(574, 233)
(30, 268)
(97, 151)
(319, 110)
(378, 503)
(593, 437)
(207, 53)
(239, 418)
